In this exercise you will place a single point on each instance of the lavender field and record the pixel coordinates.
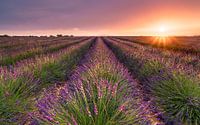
(68, 80)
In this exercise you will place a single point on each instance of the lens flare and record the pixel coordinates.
(162, 41)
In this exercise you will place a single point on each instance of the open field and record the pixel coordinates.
(99, 80)
(188, 44)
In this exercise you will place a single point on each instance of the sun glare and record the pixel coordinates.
(162, 29)
(162, 41)
(162, 38)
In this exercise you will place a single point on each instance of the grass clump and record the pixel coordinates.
(179, 97)
(98, 107)
(151, 68)
(13, 97)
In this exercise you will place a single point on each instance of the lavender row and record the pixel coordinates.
(20, 44)
(173, 93)
(15, 56)
(100, 91)
(10, 44)
(182, 44)
(22, 84)
(183, 62)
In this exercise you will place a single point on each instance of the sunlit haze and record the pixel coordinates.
(100, 17)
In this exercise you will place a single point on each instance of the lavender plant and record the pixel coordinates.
(175, 94)
(179, 98)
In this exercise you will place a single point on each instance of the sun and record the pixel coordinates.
(162, 29)
(162, 39)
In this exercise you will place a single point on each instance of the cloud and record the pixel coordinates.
(26, 15)
(45, 14)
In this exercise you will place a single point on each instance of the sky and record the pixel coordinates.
(100, 17)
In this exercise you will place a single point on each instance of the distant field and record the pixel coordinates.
(128, 80)
(185, 43)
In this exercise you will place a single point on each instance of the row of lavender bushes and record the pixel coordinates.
(20, 44)
(19, 86)
(186, 62)
(187, 45)
(36, 50)
(100, 91)
(175, 94)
